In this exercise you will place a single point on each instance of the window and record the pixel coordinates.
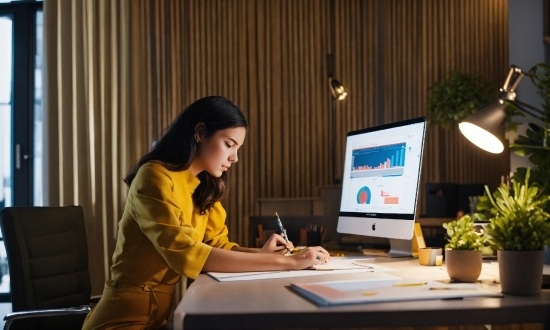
(20, 112)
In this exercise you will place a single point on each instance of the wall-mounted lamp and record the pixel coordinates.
(482, 127)
(338, 90)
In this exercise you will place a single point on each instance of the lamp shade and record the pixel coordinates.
(338, 90)
(482, 127)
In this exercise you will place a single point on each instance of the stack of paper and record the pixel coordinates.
(383, 287)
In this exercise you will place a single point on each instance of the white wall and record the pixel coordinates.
(525, 31)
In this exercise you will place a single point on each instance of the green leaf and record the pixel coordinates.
(520, 222)
(461, 235)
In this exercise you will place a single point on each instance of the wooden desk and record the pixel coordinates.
(270, 304)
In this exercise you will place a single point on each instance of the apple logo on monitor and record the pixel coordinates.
(373, 226)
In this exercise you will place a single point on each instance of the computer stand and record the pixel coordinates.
(399, 248)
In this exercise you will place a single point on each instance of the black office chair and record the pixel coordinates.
(48, 262)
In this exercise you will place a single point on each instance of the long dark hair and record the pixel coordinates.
(177, 147)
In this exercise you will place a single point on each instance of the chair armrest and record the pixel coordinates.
(10, 317)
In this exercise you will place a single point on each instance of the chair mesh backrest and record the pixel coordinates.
(47, 256)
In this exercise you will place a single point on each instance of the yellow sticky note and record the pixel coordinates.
(438, 260)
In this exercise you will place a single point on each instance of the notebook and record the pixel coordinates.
(384, 287)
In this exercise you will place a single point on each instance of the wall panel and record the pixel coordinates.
(269, 57)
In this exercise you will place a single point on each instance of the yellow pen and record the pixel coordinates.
(453, 288)
(409, 284)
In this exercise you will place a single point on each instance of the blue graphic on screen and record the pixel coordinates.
(386, 160)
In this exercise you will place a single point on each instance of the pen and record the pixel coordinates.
(409, 284)
(453, 289)
(282, 229)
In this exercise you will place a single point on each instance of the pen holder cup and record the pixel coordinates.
(430, 256)
(313, 238)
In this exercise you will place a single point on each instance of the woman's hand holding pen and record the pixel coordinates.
(310, 256)
(306, 258)
(277, 244)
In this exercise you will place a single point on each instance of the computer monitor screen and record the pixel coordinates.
(380, 181)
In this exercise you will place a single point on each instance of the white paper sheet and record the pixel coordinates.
(336, 265)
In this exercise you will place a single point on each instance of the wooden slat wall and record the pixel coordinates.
(468, 36)
(269, 57)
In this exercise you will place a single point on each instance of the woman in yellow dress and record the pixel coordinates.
(173, 223)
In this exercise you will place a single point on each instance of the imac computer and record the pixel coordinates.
(380, 183)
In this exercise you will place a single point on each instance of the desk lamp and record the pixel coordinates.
(482, 127)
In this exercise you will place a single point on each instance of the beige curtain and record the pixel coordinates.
(117, 72)
(86, 79)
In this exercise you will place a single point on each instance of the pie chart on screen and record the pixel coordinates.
(363, 195)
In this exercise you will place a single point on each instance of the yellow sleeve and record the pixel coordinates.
(161, 220)
(216, 230)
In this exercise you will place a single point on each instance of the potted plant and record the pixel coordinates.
(459, 96)
(534, 144)
(462, 94)
(463, 251)
(519, 228)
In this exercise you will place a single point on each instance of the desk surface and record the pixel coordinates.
(270, 304)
